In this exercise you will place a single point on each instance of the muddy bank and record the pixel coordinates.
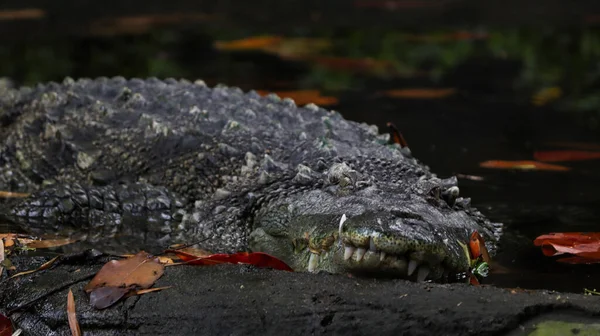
(236, 300)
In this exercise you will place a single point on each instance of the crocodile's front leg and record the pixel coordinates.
(130, 217)
(148, 214)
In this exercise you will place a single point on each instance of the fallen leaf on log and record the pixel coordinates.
(257, 259)
(585, 247)
(565, 155)
(46, 265)
(5, 326)
(105, 297)
(141, 270)
(120, 277)
(72, 315)
(522, 165)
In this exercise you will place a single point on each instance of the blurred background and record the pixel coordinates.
(506, 94)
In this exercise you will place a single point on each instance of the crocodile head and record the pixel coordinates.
(398, 220)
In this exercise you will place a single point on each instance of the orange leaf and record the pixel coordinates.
(303, 97)
(142, 270)
(72, 315)
(420, 93)
(257, 259)
(522, 165)
(250, 43)
(5, 326)
(565, 155)
(397, 137)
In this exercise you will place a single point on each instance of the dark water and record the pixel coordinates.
(490, 115)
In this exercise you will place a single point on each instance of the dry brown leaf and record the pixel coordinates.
(41, 268)
(49, 243)
(72, 315)
(142, 271)
(104, 297)
(9, 194)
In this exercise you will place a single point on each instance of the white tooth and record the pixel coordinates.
(412, 266)
(312, 262)
(372, 247)
(360, 253)
(381, 256)
(348, 252)
(342, 220)
(422, 273)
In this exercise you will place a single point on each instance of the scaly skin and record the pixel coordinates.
(160, 162)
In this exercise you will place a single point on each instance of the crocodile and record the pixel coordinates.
(151, 163)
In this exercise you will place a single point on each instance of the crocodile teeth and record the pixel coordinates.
(412, 266)
(348, 252)
(372, 247)
(342, 220)
(312, 262)
(381, 256)
(422, 273)
(360, 253)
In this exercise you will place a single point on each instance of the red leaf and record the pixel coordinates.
(565, 155)
(582, 245)
(5, 326)
(257, 259)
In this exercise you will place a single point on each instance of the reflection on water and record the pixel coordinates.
(459, 98)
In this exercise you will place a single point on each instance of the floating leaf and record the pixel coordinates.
(293, 47)
(257, 259)
(565, 155)
(546, 95)
(419, 93)
(470, 177)
(303, 97)
(522, 165)
(351, 65)
(5, 326)
(72, 315)
(141, 270)
(584, 246)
